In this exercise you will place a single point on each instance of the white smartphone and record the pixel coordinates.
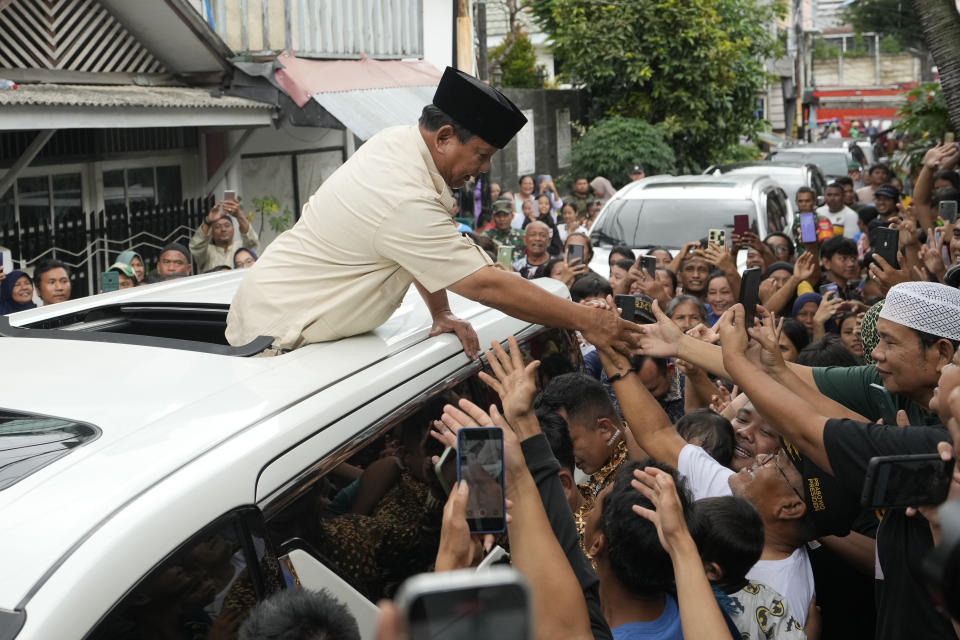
(467, 605)
(229, 194)
(6, 260)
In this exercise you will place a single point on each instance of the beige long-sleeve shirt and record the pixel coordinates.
(208, 255)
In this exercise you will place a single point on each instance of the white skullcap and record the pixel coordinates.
(930, 307)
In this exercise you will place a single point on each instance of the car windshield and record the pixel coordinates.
(30, 442)
(668, 222)
(831, 164)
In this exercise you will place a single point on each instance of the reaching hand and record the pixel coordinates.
(703, 333)
(885, 274)
(667, 513)
(830, 305)
(608, 329)
(720, 258)
(768, 337)
(446, 322)
(470, 415)
(733, 338)
(515, 383)
(660, 340)
(805, 266)
(722, 399)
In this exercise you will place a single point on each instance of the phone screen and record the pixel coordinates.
(505, 256)
(109, 281)
(888, 243)
(808, 228)
(470, 613)
(750, 294)
(888, 408)
(649, 264)
(574, 252)
(627, 305)
(827, 288)
(906, 481)
(229, 194)
(741, 224)
(948, 210)
(480, 463)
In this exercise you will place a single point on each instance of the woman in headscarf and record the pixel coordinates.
(16, 293)
(602, 189)
(132, 258)
(243, 258)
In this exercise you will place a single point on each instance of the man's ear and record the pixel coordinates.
(443, 137)
(597, 545)
(606, 427)
(567, 481)
(945, 352)
(713, 571)
(790, 508)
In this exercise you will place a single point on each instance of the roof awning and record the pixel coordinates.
(61, 106)
(365, 95)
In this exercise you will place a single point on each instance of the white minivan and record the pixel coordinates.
(156, 482)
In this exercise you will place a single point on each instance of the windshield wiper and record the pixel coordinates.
(603, 237)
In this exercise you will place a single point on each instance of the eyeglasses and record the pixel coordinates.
(781, 250)
(776, 463)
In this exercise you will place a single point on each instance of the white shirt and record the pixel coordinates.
(792, 577)
(846, 218)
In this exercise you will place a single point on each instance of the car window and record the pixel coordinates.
(204, 589)
(375, 519)
(30, 442)
(776, 212)
(668, 222)
(831, 164)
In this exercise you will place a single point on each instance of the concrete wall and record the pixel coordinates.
(547, 155)
(438, 32)
(863, 72)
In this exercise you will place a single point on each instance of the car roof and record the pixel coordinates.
(158, 409)
(695, 187)
(762, 168)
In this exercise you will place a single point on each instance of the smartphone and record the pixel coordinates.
(480, 463)
(638, 308)
(908, 480)
(649, 264)
(229, 194)
(467, 605)
(497, 555)
(948, 211)
(574, 252)
(6, 261)
(888, 243)
(109, 281)
(808, 228)
(445, 470)
(827, 288)
(717, 237)
(885, 402)
(750, 294)
(741, 223)
(505, 256)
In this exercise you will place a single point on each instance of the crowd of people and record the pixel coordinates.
(709, 484)
(225, 240)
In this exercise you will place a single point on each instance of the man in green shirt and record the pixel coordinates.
(580, 198)
(502, 233)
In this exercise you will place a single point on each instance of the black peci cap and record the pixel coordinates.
(478, 107)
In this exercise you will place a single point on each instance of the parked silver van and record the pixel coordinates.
(789, 175)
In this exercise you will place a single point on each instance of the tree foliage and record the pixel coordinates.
(886, 17)
(611, 146)
(923, 120)
(517, 60)
(692, 68)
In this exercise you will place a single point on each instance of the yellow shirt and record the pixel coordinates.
(377, 224)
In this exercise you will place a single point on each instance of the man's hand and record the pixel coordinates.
(768, 337)
(232, 208)
(805, 266)
(667, 515)
(733, 338)
(468, 414)
(720, 258)
(446, 322)
(215, 214)
(515, 383)
(830, 305)
(609, 329)
(660, 340)
(885, 275)
(458, 549)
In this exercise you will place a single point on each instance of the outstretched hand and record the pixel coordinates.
(515, 383)
(768, 337)
(608, 329)
(667, 515)
(446, 322)
(660, 339)
(733, 338)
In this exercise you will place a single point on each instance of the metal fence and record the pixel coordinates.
(90, 242)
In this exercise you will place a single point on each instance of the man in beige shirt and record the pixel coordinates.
(219, 227)
(381, 222)
(879, 174)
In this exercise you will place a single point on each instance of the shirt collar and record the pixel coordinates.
(443, 189)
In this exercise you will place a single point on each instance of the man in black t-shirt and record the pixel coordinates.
(843, 448)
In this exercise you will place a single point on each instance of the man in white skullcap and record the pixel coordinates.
(382, 222)
(920, 320)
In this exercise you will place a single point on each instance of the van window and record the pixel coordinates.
(375, 519)
(776, 211)
(667, 222)
(204, 589)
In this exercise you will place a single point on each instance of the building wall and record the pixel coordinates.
(551, 137)
(438, 32)
(862, 72)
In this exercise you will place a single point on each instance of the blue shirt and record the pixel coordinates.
(666, 627)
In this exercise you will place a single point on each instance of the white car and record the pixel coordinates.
(152, 483)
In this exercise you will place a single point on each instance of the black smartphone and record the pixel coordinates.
(638, 308)
(649, 264)
(908, 480)
(827, 288)
(948, 211)
(574, 252)
(467, 605)
(888, 244)
(884, 402)
(750, 294)
(480, 463)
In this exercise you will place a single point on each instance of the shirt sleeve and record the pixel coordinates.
(420, 237)
(849, 445)
(850, 386)
(250, 239)
(707, 477)
(199, 242)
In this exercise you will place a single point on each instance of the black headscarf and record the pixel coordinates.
(7, 305)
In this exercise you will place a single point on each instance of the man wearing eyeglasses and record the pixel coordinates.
(771, 484)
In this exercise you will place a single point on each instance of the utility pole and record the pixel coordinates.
(482, 40)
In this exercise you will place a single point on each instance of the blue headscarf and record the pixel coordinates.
(250, 251)
(804, 299)
(7, 305)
